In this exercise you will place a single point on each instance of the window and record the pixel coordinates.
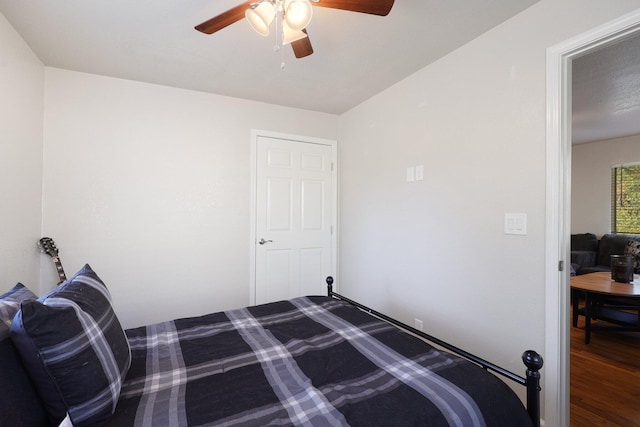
(625, 199)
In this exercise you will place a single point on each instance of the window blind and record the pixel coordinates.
(625, 199)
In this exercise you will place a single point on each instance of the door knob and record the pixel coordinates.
(262, 241)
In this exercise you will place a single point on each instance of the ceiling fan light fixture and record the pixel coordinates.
(289, 36)
(297, 13)
(260, 17)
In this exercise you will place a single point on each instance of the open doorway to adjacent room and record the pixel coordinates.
(605, 101)
(561, 91)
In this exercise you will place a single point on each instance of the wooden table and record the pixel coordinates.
(613, 302)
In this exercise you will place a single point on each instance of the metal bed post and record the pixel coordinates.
(329, 286)
(531, 358)
(534, 363)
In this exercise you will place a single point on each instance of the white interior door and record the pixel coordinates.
(294, 218)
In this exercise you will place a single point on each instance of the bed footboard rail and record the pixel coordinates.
(532, 360)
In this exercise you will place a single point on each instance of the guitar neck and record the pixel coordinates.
(59, 269)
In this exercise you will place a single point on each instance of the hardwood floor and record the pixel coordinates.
(605, 378)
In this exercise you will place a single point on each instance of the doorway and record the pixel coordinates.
(559, 59)
(294, 213)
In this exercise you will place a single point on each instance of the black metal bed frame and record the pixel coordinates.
(532, 360)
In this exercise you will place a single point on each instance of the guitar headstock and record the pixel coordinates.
(48, 246)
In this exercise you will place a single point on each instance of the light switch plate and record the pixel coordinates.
(515, 223)
(411, 174)
(419, 172)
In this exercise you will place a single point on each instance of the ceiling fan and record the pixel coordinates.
(296, 15)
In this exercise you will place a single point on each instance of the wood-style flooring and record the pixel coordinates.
(605, 378)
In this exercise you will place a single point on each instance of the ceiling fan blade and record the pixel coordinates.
(302, 47)
(224, 19)
(373, 7)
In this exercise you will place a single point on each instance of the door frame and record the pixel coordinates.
(558, 210)
(255, 134)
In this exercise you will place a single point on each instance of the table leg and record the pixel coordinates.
(575, 297)
(587, 318)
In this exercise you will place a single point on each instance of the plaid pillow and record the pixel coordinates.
(74, 349)
(10, 304)
(19, 402)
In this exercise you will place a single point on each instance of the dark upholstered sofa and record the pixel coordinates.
(589, 255)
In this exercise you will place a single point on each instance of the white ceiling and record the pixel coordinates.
(356, 55)
(606, 92)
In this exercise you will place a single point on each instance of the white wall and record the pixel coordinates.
(21, 109)
(435, 249)
(150, 185)
(591, 181)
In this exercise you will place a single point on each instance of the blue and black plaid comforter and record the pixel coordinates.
(309, 361)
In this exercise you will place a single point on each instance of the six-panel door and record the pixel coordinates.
(293, 219)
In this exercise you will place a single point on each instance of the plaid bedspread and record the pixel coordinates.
(310, 361)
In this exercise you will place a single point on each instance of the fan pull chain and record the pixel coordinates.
(276, 46)
(279, 37)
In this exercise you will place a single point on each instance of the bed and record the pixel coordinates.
(316, 361)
